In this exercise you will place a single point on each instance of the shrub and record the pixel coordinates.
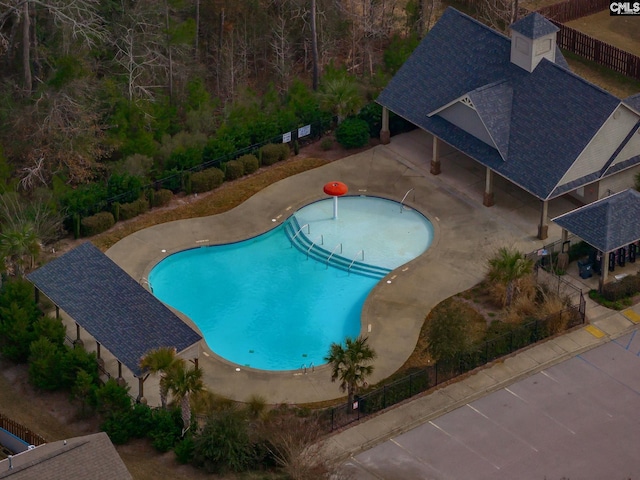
(113, 399)
(160, 197)
(125, 187)
(133, 209)
(637, 181)
(74, 360)
(326, 143)
(353, 133)
(98, 223)
(118, 427)
(250, 163)
(184, 450)
(273, 153)
(45, 360)
(224, 443)
(206, 180)
(167, 428)
(233, 169)
(620, 289)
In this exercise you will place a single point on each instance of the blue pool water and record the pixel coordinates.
(266, 304)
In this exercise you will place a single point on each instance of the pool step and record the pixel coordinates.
(320, 254)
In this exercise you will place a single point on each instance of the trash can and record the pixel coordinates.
(585, 268)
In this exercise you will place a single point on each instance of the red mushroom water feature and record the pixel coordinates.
(335, 189)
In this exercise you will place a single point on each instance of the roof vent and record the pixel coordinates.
(532, 39)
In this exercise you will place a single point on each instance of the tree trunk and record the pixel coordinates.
(186, 412)
(26, 47)
(314, 46)
(169, 58)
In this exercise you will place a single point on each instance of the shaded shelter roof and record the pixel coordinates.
(607, 224)
(539, 121)
(90, 456)
(115, 309)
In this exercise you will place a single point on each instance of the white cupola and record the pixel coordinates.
(532, 39)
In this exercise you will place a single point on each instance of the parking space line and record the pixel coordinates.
(465, 445)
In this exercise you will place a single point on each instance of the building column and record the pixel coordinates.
(488, 200)
(605, 271)
(435, 159)
(385, 134)
(140, 398)
(78, 340)
(543, 227)
(563, 257)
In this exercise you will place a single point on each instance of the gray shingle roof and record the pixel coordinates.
(88, 457)
(118, 312)
(553, 114)
(534, 26)
(609, 223)
(633, 101)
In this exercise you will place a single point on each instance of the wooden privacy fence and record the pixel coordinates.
(572, 9)
(20, 431)
(597, 51)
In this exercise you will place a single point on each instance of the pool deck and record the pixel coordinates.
(466, 235)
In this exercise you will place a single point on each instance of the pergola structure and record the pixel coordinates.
(114, 309)
(608, 225)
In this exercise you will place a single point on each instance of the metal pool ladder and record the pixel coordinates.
(354, 261)
(405, 197)
(332, 253)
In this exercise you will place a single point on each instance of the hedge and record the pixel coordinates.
(272, 153)
(623, 288)
(133, 209)
(98, 223)
(233, 169)
(353, 133)
(206, 180)
(250, 163)
(160, 197)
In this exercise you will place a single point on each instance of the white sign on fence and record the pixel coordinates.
(304, 131)
(286, 137)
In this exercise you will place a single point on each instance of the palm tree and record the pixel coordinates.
(160, 361)
(507, 267)
(182, 382)
(340, 95)
(349, 365)
(19, 245)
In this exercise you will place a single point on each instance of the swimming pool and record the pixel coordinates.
(275, 304)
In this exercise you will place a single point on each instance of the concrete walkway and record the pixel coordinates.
(466, 235)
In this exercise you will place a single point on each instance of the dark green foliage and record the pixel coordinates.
(399, 51)
(184, 450)
(273, 153)
(45, 360)
(124, 188)
(98, 223)
(84, 390)
(250, 163)
(206, 180)
(160, 197)
(224, 444)
(141, 420)
(579, 250)
(167, 429)
(172, 180)
(51, 328)
(637, 181)
(184, 158)
(326, 143)
(296, 147)
(77, 359)
(447, 331)
(353, 133)
(118, 426)
(218, 148)
(18, 315)
(113, 399)
(233, 169)
(372, 114)
(84, 200)
(133, 209)
(66, 69)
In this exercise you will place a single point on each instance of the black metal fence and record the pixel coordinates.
(518, 337)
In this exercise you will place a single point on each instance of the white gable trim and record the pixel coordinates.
(463, 99)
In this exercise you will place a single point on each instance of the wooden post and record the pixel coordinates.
(543, 227)
(488, 200)
(605, 271)
(385, 134)
(435, 159)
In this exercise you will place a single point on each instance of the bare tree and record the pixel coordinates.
(499, 14)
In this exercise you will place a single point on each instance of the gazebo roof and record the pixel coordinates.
(115, 309)
(607, 224)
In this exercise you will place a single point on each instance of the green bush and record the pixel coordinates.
(620, 289)
(184, 450)
(98, 223)
(18, 319)
(399, 51)
(113, 399)
(74, 360)
(206, 180)
(119, 427)
(637, 181)
(273, 153)
(353, 133)
(233, 169)
(45, 360)
(166, 430)
(447, 330)
(133, 209)
(250, 163)
(372, 114)
(124, 186)
(160, 197)
(326, 143)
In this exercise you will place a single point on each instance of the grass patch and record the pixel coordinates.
(614, 305)
(613, 82)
